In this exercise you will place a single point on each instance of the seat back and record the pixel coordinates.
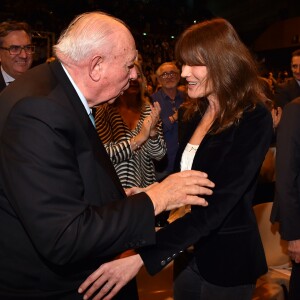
(275, 248)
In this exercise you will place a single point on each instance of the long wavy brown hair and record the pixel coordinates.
(232, 71)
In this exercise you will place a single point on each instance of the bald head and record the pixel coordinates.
(88, 34)
(99, 52)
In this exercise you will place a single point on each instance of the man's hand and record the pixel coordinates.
(294, 250)
(179, 189)
(109, 278)
(135, 190)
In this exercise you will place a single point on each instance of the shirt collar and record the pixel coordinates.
(80, 95)
(7, 78)
(166, 96)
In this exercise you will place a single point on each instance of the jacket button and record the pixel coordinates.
(163, 263)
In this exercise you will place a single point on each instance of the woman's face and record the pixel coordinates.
(197, 81)
(135, 85)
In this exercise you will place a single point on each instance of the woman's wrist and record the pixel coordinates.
(134, 145)
(153, 135)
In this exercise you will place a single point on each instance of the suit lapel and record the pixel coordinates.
(208, 147)
(97, 146)
(2, 82)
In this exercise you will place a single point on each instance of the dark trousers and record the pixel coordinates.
(189, 284)
(294, 290)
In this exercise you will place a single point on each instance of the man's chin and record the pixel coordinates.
(111, 101)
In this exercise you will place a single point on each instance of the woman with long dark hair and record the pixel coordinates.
(226, 131)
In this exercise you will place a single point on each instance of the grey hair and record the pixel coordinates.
(168, 63)
(85, 35)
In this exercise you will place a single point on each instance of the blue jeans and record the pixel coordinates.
(189, 285)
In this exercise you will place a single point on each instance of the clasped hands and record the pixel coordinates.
(187, 187)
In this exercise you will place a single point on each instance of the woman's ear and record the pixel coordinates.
(95, 68)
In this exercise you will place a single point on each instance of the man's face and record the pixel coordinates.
(16, 64)
(169, 77)
(295, 67)
(118, 69)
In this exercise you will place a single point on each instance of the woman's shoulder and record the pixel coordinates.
(258, 109)
(257, 115)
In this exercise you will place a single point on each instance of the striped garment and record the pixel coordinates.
(134, 168)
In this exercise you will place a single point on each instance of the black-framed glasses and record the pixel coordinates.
(16, 50)
(171, 74)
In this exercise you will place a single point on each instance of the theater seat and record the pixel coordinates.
(158, 287)
(274, 284)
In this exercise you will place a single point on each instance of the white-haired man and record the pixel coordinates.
(63, 211)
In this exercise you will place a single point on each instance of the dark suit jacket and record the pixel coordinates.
(286, 207)
(2, 82)
(286, 92)
(228, 247)
(63, 211)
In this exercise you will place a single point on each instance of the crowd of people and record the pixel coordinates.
(98, 142)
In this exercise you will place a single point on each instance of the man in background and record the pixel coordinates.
(170, 99)
(286, 207)
(16, 51)
(290, 89)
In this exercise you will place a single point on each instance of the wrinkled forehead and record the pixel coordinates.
(168, 68)
(124, 46)
(16, 37)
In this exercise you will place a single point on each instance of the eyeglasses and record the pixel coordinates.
(16, 50)
(171, 74)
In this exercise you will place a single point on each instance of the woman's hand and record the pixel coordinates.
(110, 277)
(276, 116)
(155, 112)
(149, 125)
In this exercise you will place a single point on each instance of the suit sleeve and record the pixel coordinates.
(288, 171)
(233, 166)
(281, 96)
(45, 188)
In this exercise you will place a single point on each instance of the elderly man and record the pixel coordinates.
(286, 92)
(16, 51)
(63, 211)
(170, 99)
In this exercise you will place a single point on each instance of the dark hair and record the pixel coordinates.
(9, 26)
(296, 53)
(231, 69)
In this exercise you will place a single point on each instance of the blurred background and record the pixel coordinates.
(270, 28)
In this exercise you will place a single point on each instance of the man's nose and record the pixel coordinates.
(23, 53)
(133, 74)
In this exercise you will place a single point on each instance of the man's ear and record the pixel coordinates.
(96, 68)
